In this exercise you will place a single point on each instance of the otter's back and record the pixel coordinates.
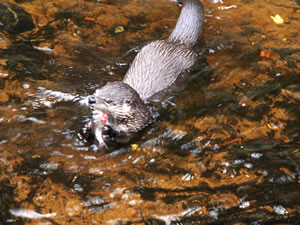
(157, 66)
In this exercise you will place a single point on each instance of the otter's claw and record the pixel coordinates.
(109, 134)
(85, 132)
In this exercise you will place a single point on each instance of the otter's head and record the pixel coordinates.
(126, 112)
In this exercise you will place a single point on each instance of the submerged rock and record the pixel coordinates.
(292, 91)
(14, 18)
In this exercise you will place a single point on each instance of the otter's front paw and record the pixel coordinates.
(85, 132)
(109, 134)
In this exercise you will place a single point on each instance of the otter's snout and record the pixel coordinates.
(91, 100)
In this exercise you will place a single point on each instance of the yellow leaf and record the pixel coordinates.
(134, 147)
(277, 19)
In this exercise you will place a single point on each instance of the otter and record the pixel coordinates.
(120, 108)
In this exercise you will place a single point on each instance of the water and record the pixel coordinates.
(224, 148)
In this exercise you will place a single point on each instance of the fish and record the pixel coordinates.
(98, 122)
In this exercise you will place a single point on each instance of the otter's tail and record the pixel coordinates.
(189, 24)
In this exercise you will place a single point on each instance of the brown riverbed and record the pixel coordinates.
(223, 150)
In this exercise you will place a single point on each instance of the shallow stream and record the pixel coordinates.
(224, 148)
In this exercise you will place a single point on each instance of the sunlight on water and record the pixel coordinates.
(223, 147)
(26, 213)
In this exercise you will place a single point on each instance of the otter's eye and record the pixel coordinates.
(108, 101)
(128, 101)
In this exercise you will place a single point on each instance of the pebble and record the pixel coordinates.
(4, 98)
(73, 207)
